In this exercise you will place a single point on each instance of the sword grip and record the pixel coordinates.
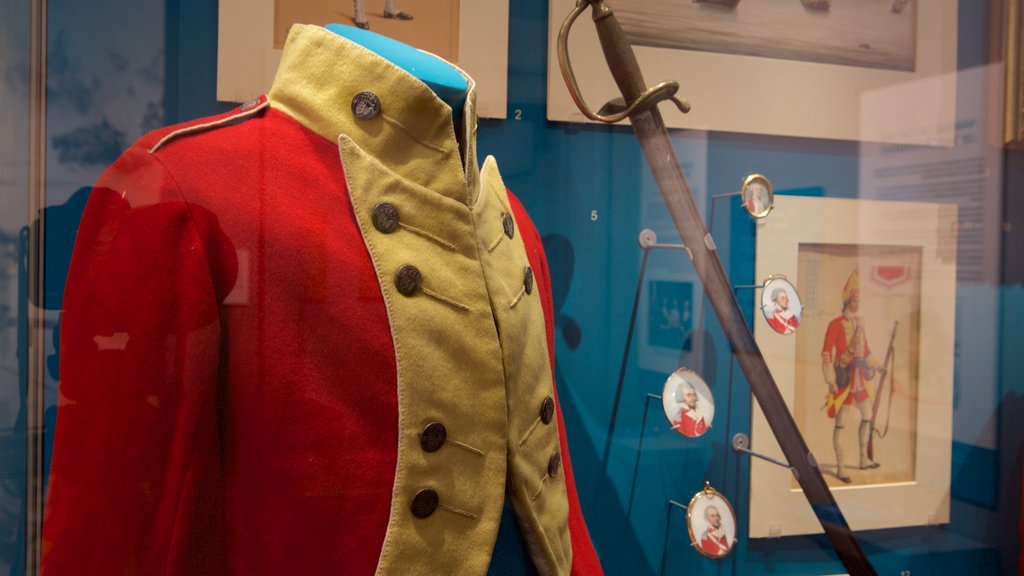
(618, 52)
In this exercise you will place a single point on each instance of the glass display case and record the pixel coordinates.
(276, 300)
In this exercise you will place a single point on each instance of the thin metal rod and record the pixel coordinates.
(728, 417)
(625, 360)
(667, 246)
(726, 195)
(765, 458)
(728, 422)
(668, 532)
(753, 317)
(639, 452)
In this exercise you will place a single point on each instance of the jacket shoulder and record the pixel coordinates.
(153, 141)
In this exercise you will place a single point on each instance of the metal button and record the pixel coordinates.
(408, 280)
(424, 503)
(385, 218)
(553, 464)
(528, 280)
(547, 410)
(366, 105)
(433, 437)
(508, 224)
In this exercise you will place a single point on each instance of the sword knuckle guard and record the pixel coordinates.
(637, 96)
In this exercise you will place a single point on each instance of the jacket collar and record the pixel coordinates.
(412, 135)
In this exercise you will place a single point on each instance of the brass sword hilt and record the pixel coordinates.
(616, 109)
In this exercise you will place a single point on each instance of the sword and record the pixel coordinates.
(639, 104)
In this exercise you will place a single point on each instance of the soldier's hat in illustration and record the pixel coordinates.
(852, 288)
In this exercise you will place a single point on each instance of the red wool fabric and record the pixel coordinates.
(227, 402)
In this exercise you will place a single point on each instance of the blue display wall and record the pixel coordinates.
(589, 192)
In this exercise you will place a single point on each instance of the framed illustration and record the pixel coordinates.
(471, 34)
(869, 374)
(777, 67)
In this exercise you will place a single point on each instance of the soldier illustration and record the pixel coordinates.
(714, 540)
(390, 11)
(848, 366)
(690, 419)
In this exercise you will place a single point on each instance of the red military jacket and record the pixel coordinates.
(837, 340)
(688, 425)
(837, 336)
(308, 337)
(714, 543)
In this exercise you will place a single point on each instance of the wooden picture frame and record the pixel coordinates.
(748, 93)
(247, 58)
(906, 257)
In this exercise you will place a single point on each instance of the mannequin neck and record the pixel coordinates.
(447, 82)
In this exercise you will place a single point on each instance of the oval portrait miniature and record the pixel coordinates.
(711, 523)
(781, 305)
(688, 404)
(758, 195)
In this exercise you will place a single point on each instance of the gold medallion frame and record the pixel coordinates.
(709, 492)
(764, 292)
(702, 390)
(745, 194)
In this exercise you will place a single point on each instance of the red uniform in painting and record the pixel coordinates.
(690, 422)
(849, 362)
(783, 321)
(297, 341)
(714, 542)
(847, 365)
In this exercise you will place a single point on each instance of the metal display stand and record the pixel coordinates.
(648, 241)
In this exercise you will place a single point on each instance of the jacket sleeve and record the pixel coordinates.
(584, 558)
(136, 458)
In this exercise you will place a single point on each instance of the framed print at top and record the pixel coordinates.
(869, 374)
(776, 67)
(473, 34)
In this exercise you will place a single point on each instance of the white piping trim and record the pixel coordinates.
(208, 125)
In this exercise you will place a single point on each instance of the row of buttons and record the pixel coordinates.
(547, 413)
(434, 436)
(409, 280)
(385, 219)
(427, 501)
